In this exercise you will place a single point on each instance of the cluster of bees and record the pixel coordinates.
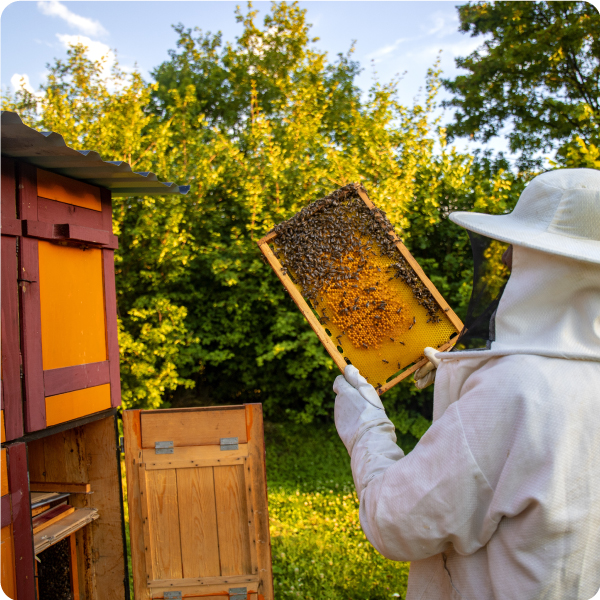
(328, 250)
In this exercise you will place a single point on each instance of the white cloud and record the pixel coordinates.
(19, 80)
(95, 50)
(443, 24)
(53, 8)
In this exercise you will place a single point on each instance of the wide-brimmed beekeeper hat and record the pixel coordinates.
(558, 212)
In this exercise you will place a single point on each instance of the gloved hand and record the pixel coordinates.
(358, 407)
(425, 376)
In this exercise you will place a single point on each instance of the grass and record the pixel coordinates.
(319, 551)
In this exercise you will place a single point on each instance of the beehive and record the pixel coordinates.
(364, 295)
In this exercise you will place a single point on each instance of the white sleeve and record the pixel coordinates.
(412, 507)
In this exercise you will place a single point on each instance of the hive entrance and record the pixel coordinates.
(370, 303)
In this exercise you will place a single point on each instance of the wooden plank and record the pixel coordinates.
(193, 428)
(194, 456)
(5, 511)
(12, 401)
(39, 510)
(70, 191)
(78, 519)
(52, 211)
(2, 428)
(69, 379)
(163, 516)
(74, 568)
(198, 523)
(234, 543)
(43, 230)
(4, 474)
(11, 227)
(27, 197)
(106, 200)
(133, 454)
(112, 329)
(250, 516)
(50, 517)
(65, 458)
(302, 305)
(21, 511)
(54, 486)
(31, 336)
(8, 195)
(7, 562)
(150, 570)
(206, 582)
(257, 475)
(73, 405)
(72, 306)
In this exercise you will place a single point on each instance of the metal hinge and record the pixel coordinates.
(163, 448)
(172, 595)
(238, 593)
(229, 444)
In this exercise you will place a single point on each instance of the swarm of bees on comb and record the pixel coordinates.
(343, 257)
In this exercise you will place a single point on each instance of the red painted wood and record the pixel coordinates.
(27, 199)
(31, 336)
(84, 234)
(52, 211)
(21, 512)
(69, 379)
(10, 226)
(106, 200)
(112, 332)
(12, 402)
(38, 229)
(8, 189)
(5, 515)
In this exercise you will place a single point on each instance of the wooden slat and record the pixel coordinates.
(70, 191)
(112, 332)
(74, 567)
(256, 463)
(50, 517)
(39, 510)
(5, 511)
(4, 475)
(198, 523)
(27, 197)
(134, 475)
(54, 486)
(145, 510)
(250, 516)
(11, 352)
(8, 195)
(12, 227)
(2, 428)
(193, 428)
(207, 584)
(69, 379)
(77, 404)
(7, 562)
(78, 519)
(194, 456)
(234, 543)
(52, 211)
(163, 514)
(21, 511)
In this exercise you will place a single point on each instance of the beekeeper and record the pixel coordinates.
(500, 499)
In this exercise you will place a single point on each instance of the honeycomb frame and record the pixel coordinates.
(327, 339)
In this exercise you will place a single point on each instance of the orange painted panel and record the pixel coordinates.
(3, 432)
(72, 306)
(72, 405)
(70, 191)
(7, 562)
(4, 475)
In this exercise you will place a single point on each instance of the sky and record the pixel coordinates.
(394, 37)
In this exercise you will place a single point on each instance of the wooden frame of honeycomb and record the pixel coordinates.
(395, 318)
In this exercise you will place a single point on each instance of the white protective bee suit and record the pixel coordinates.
(500, 499)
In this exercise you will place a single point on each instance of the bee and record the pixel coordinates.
(385, 361)
(392, 339)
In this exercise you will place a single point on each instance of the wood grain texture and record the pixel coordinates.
(133, 455)
(21, 511)
(112, 330)
(67, 190)
(207, 583)
(234, 539)
(7, 562)
(31, 336)
(194, 456)
(39, 510)
(198, 523)
(12, 401)
(50, 517)
(79, 519)
(3, 474)
(150, 570)
(55, 486)
(163, 514)
(257, 479)
(193, 428)
(74, 567)
(69, 379)
(55, 212)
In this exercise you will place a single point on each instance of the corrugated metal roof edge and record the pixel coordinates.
(48, 150)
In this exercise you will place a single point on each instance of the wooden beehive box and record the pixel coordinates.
(360, 289)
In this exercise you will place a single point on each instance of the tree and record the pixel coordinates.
(538, 70)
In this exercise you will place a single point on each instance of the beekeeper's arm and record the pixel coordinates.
(411, 506)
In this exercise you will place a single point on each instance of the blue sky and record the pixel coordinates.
(391, 37)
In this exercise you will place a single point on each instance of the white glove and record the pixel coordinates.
(425, 376)
(357, 407)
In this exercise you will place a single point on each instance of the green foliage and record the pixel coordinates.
(258, 128)
(538, 69)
